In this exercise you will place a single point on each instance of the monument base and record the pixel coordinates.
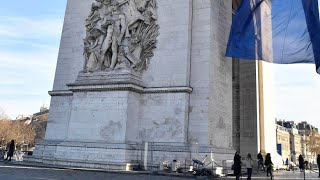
(117, 156)
(110, 118)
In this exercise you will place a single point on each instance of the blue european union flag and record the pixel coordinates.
(277, 31)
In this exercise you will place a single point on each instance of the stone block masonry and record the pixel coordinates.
(183, 97)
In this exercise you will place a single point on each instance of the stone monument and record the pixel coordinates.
(134, 71)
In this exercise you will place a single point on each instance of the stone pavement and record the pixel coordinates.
(284, 175)
(19, 171)
(11, 171)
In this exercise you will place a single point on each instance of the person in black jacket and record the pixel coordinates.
(237, 165)
(318, 162)
(268, 163)
(260, 161)
(301, 163)
(11, 150)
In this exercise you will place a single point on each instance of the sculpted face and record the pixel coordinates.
(141, 4)
(113, 8)
(106, 2)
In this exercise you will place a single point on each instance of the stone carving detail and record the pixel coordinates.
(120, 34)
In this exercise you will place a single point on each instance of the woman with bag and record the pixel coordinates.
(249, 163)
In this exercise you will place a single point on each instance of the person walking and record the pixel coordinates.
(268, 163)
(306, 165)
(249, 164)
(11, 150)
(237, 165)
(260, 161)
(301, 163)
(287, 164)
(318, 163)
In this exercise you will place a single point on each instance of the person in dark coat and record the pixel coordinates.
(306, 165)
(237, 165)
(11, 150)
(260, 161)
(268, 163)
(318, 162)
(301, 163)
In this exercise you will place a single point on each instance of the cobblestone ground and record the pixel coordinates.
(9, 171)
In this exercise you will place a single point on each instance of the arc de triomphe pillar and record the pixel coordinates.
(133, 71)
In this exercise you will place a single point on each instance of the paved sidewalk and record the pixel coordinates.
(11, 171)
(30, 171)
(284, 175)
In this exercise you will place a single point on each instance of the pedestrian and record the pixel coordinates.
(287, 164)
(237, 165)
(306, 165)
(268, 163)
(260, 161)
(249, 164)
(11, 150)
(318, 162)
(301, 163)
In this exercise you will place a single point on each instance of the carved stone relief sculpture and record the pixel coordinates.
(120, 34)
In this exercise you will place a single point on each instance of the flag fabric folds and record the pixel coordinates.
(277, 31)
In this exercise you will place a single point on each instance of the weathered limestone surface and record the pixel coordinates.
(249, 128)
(211, 75)
(182, 101)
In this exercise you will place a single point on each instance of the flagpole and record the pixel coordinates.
(261, 107)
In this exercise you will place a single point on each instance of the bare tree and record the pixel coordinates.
(20, 131)
(5, 126)
(313, 142)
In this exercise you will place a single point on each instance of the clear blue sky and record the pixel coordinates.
(29, 42)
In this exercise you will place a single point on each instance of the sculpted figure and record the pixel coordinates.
(99, 9)
(95, 35)
(115, 23)
(92, 49)
(120, 34)
(94, 15)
